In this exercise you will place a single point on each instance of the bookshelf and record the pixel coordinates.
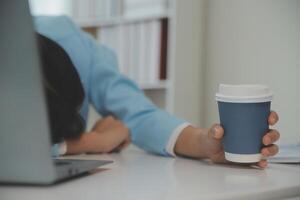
(179, 92)
(157, 88)
(118, 20)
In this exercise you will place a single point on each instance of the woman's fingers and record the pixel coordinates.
(216, 132)
(270, 150)
(262, 164)
(123, 145)
(271, 137)
(218, 158)
(273, 118)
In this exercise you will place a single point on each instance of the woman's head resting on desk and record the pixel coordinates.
(64, 92)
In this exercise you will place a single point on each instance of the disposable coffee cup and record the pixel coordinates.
(244, 112)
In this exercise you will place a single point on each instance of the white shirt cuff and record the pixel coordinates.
(62, 148)
(172, 141)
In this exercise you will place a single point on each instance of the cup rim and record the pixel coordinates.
(235, 93)
(244, 99)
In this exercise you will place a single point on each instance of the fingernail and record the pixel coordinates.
(267, 141)
(266, 164)
(216, 131)
(265, 152)
(273, 119)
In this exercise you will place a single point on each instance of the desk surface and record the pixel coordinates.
(138, 175)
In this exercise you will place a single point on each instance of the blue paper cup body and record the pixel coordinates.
(244, 125)
(244, 112)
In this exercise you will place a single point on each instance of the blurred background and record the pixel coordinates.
(179, 51)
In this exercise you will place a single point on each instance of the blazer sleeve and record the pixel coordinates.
(112, 93)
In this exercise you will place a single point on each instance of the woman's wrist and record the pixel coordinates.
(62, 148)
(191, 143)
(78, 145)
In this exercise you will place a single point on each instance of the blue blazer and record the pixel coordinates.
(110, 92)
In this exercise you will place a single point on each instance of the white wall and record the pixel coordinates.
(186, 98)
(255, 41)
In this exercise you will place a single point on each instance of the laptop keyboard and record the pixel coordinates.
(61, 162)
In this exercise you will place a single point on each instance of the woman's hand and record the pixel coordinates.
(203, 143)
(108, 135)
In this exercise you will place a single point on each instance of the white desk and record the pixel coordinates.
(138, 175)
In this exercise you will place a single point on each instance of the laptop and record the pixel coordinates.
(25, 146)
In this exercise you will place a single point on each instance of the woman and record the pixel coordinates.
(113, 94)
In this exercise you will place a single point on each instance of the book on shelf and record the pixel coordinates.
(141, 8)
(143, 58)
(123, 53)
(153, 43)
(134, 52)
(81, 10)
(141, 49)
(164, 49)
(93, 10)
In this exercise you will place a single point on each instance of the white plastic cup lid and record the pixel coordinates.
(244, 93)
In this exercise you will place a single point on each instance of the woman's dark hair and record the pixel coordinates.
(63, 88)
